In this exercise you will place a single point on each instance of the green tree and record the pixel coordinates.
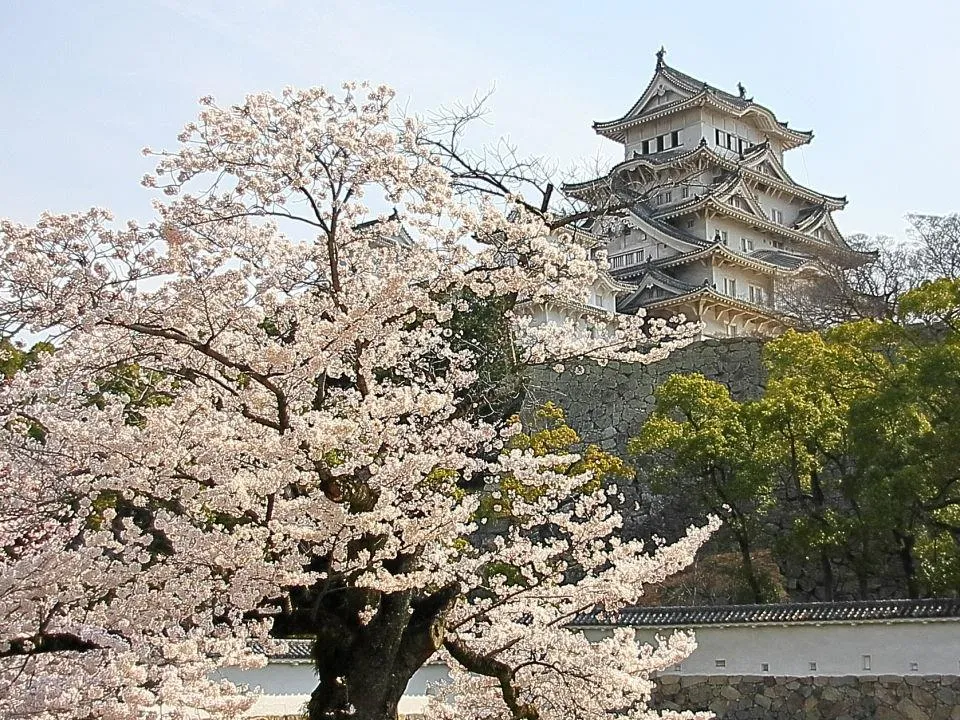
(906, 437)
(853, 448)
(711, 453)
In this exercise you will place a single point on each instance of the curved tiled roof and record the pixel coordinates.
(850, 612)
(830, 612)
(780, 258)
(701, 90)
(295, 650)
(636, 274)
(743, 166)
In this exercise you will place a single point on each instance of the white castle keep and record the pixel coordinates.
(701, 218)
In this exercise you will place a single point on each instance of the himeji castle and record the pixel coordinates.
(703, 218)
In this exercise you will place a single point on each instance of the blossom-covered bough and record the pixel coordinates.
(262, 415)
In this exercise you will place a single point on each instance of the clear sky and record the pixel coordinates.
(85, 84)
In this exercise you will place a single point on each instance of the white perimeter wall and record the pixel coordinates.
(897, 648)
(285, 686)
(837, 649)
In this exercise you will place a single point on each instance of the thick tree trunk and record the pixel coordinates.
(363, 669)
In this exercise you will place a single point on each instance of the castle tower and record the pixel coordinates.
(707, 221)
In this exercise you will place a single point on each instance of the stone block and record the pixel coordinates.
(730, 692)
(910, 711)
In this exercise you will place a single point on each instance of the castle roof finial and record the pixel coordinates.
(660, 53)
(742, 90)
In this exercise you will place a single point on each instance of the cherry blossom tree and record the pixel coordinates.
(260, 417)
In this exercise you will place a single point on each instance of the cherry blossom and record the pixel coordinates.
(260, 417)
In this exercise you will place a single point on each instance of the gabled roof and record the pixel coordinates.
(615, 284)
(788, 613)
(715, 198)
(702, 293)
(722, 193)
(820, 219)
(749, 167)
(776, 261)
(691, 92)
(648, 276)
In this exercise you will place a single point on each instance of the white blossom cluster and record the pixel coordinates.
(259, 379)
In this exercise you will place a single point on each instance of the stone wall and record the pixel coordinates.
(746, 697)
(608, 404)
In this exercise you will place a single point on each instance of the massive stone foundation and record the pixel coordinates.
(869, 697)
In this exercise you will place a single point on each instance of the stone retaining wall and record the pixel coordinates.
(607, 405)
(873, 697)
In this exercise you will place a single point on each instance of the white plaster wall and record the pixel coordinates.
(688, 124)
(638, 240)
(694, 224)
(741, 127)
(712, 328)
(602, 296)
(743, 278)
(297, 678)
(284, 687)
(837, 649)
(897, 648)
(790, 207)
(736, 230)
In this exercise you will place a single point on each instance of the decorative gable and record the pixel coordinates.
(769, 168)
(661, 91)
(742, 199)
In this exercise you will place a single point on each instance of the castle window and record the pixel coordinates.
(813, 666)
(746, 244)
(668, 196)
(756, 294)
(730, 287)
(645, 147)
(866, 662)
(719, 134)
(742, 145)
(914, 666)
(675, 138)
(721, 663)
(777, 216)
(732, 331)
(690, 223)
(764, 667)
(778, 245)
(723, 237)
(684, 192)
(660, 143)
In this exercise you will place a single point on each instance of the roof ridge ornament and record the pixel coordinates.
(660, 53)
(742, 90)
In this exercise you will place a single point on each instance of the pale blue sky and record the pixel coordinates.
(84, 85)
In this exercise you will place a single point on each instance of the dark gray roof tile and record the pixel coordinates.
(860, 611)
(786, 260)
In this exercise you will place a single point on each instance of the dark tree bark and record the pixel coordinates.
(363, 669)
